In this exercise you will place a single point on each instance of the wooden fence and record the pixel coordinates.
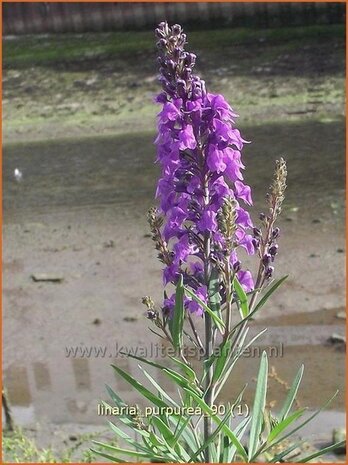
(35, 17)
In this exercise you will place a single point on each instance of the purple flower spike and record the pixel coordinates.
(199, 153)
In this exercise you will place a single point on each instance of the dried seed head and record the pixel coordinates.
(278, 186)
(156, 221)
(227, 218)
(147, 300)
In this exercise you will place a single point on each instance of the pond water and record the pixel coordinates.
(80, 211)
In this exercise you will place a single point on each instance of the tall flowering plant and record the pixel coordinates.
(200, 227)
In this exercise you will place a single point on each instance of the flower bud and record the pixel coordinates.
(266, 259)
(176, 29)
(176, 54)
(275, 233)
(159, 33)
(181, 86)
(257, 232)
(186, 74)
(237, 266)
(273, 250)
(269, 272)
(171, 65)
(182, 39)
(256, 243)
(151, 315)
(162, 43)
(262, 216)
(190, 59)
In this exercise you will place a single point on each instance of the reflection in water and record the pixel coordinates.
(39, 391)
(81, 374)
(17, 383)
(42, 377)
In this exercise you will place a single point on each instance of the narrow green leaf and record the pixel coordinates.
(214, 291)
(291, 394)
(165, 431)
(140, 388)
(155, 332)
(219, 323)
(178, 315)
(259, 406)
(238, 355)
(294, 430)
(126, 419)
(239, 432)
(281, 426)
(174, 375)
(279, 457)
(270, 291)
(213, 435)
(123, 451)
(243, 300)
(207, 410)
(185, 368)
(126, 437)
(108, 456)
(322, 452)
(222, 358)
(158, 387)
(169, 439)
(188, 434)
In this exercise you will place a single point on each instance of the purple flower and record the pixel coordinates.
(216, 159)
(195, 307)
(243, 192)
(187, 138)
(208, 221)
(246, 280)
(171, 111)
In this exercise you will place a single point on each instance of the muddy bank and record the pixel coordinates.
(71, 85)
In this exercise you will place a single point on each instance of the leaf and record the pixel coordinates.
(207, 410)
(322, 452)
(177, 322)
(125, 451)
(259, 406)
(291, 394)
(214, 291)
(279, 457)
(188, 435)
(107, 456)
(222, 358)
(213, 435)
(243, 300)
(239, 432)
(158, 387)
(169, 438)
(126, 437)
(140, 388)
(281, 426)
(270, 291)
(155, 332)
(219, 323)
(174, 375)
(294, 430)
(126, 419)
(185, 368)
(237, 356)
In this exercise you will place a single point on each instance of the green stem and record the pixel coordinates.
(208, 398)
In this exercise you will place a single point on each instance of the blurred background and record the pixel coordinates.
(79, 176)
